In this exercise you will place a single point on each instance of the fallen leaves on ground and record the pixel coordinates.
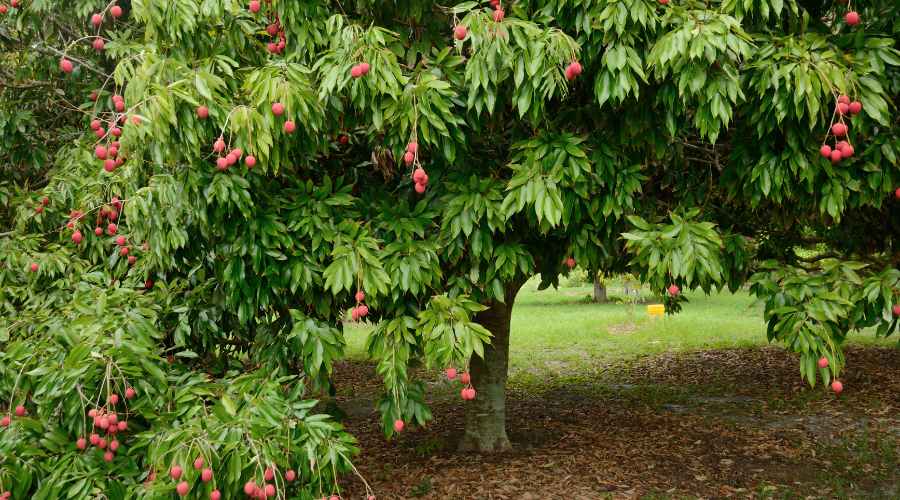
(710, 424)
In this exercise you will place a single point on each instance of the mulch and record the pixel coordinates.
(711, 424)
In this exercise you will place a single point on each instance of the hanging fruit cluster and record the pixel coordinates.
(361, 310)
(838, 130)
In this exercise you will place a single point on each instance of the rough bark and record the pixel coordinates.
(485, 429)
(599, 290)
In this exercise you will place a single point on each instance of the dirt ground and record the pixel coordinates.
(712, 424)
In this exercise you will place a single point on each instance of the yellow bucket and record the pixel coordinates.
(656, 309)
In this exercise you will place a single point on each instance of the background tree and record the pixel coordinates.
(258, 169)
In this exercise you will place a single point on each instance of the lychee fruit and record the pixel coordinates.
(399, 425)
(81, 443)
(115, 11)
(837, 387)
(20, 411)
(215, 495)
(76, 237)
(250, 161)
(206, 475)
(289, 127)
(460, 32)
(855, 107)
(852, 18)
(839, 129)
(66, 65)
(290, 475)
(96, 20)
(182, 488)
(202, 112)
(254, 6)
(499, 14)
(409, 157)
(451, 373)
(360, 296)
(277, 109)
(673, 289)
(175, 472)
(465, 378)
(836, 156)
(34, 267)
(823, 362)
(896, 308)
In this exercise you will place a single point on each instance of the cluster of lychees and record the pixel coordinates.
(838, 131)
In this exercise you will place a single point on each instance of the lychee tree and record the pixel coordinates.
(218, 185)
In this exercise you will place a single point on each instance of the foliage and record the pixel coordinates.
(685, 152)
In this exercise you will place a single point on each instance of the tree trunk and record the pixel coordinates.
(486, 416)
(599, 290)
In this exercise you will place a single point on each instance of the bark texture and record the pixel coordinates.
(485, 430)
(599, 290)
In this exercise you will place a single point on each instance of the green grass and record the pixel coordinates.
(558, 331)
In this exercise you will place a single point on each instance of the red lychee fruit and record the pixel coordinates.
(360, 296)
(66, 65)
(673, 289)
(269, 474)
(206, 475)
(202, 112)
(250, 161)
(254, 6)
(419, 175)
(81, 444)
(499, 14)
(289, 127)
(100, 152)
(277, 109)
(823, 362)
(855, 107)
(356, 71)
(249, 487)
(98, 231)
(20, 411)
(121, 240)
(108, 456)
(219, 145)
(837, 387)
(364, 68)
(95, 439)
(573, 70)
(95, 124)
(175, 472)
(852, 18)
(123, 251)
(270, 490)
(198, 463)
(843, 108)
(101, 443)
(844, 99)
(290, 475)
(836, 156)
(460, 32)
(664, 2)
(465, 378)
(4, 422)
(122, 426)
(182, 488)
(114, 445)
(120, 106)
(93, 96)
(109, 165)
(76, 237)
(215, 495)
(839, 129)
(115, 11)
(896, 308)
(420, 188)
(34, 267)
(222, 163)
(96, 20)
(409, 157)
(98, 44)
(451, 373)
(399, 425)
(570, 263)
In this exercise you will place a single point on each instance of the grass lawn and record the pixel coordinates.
(558, 330)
